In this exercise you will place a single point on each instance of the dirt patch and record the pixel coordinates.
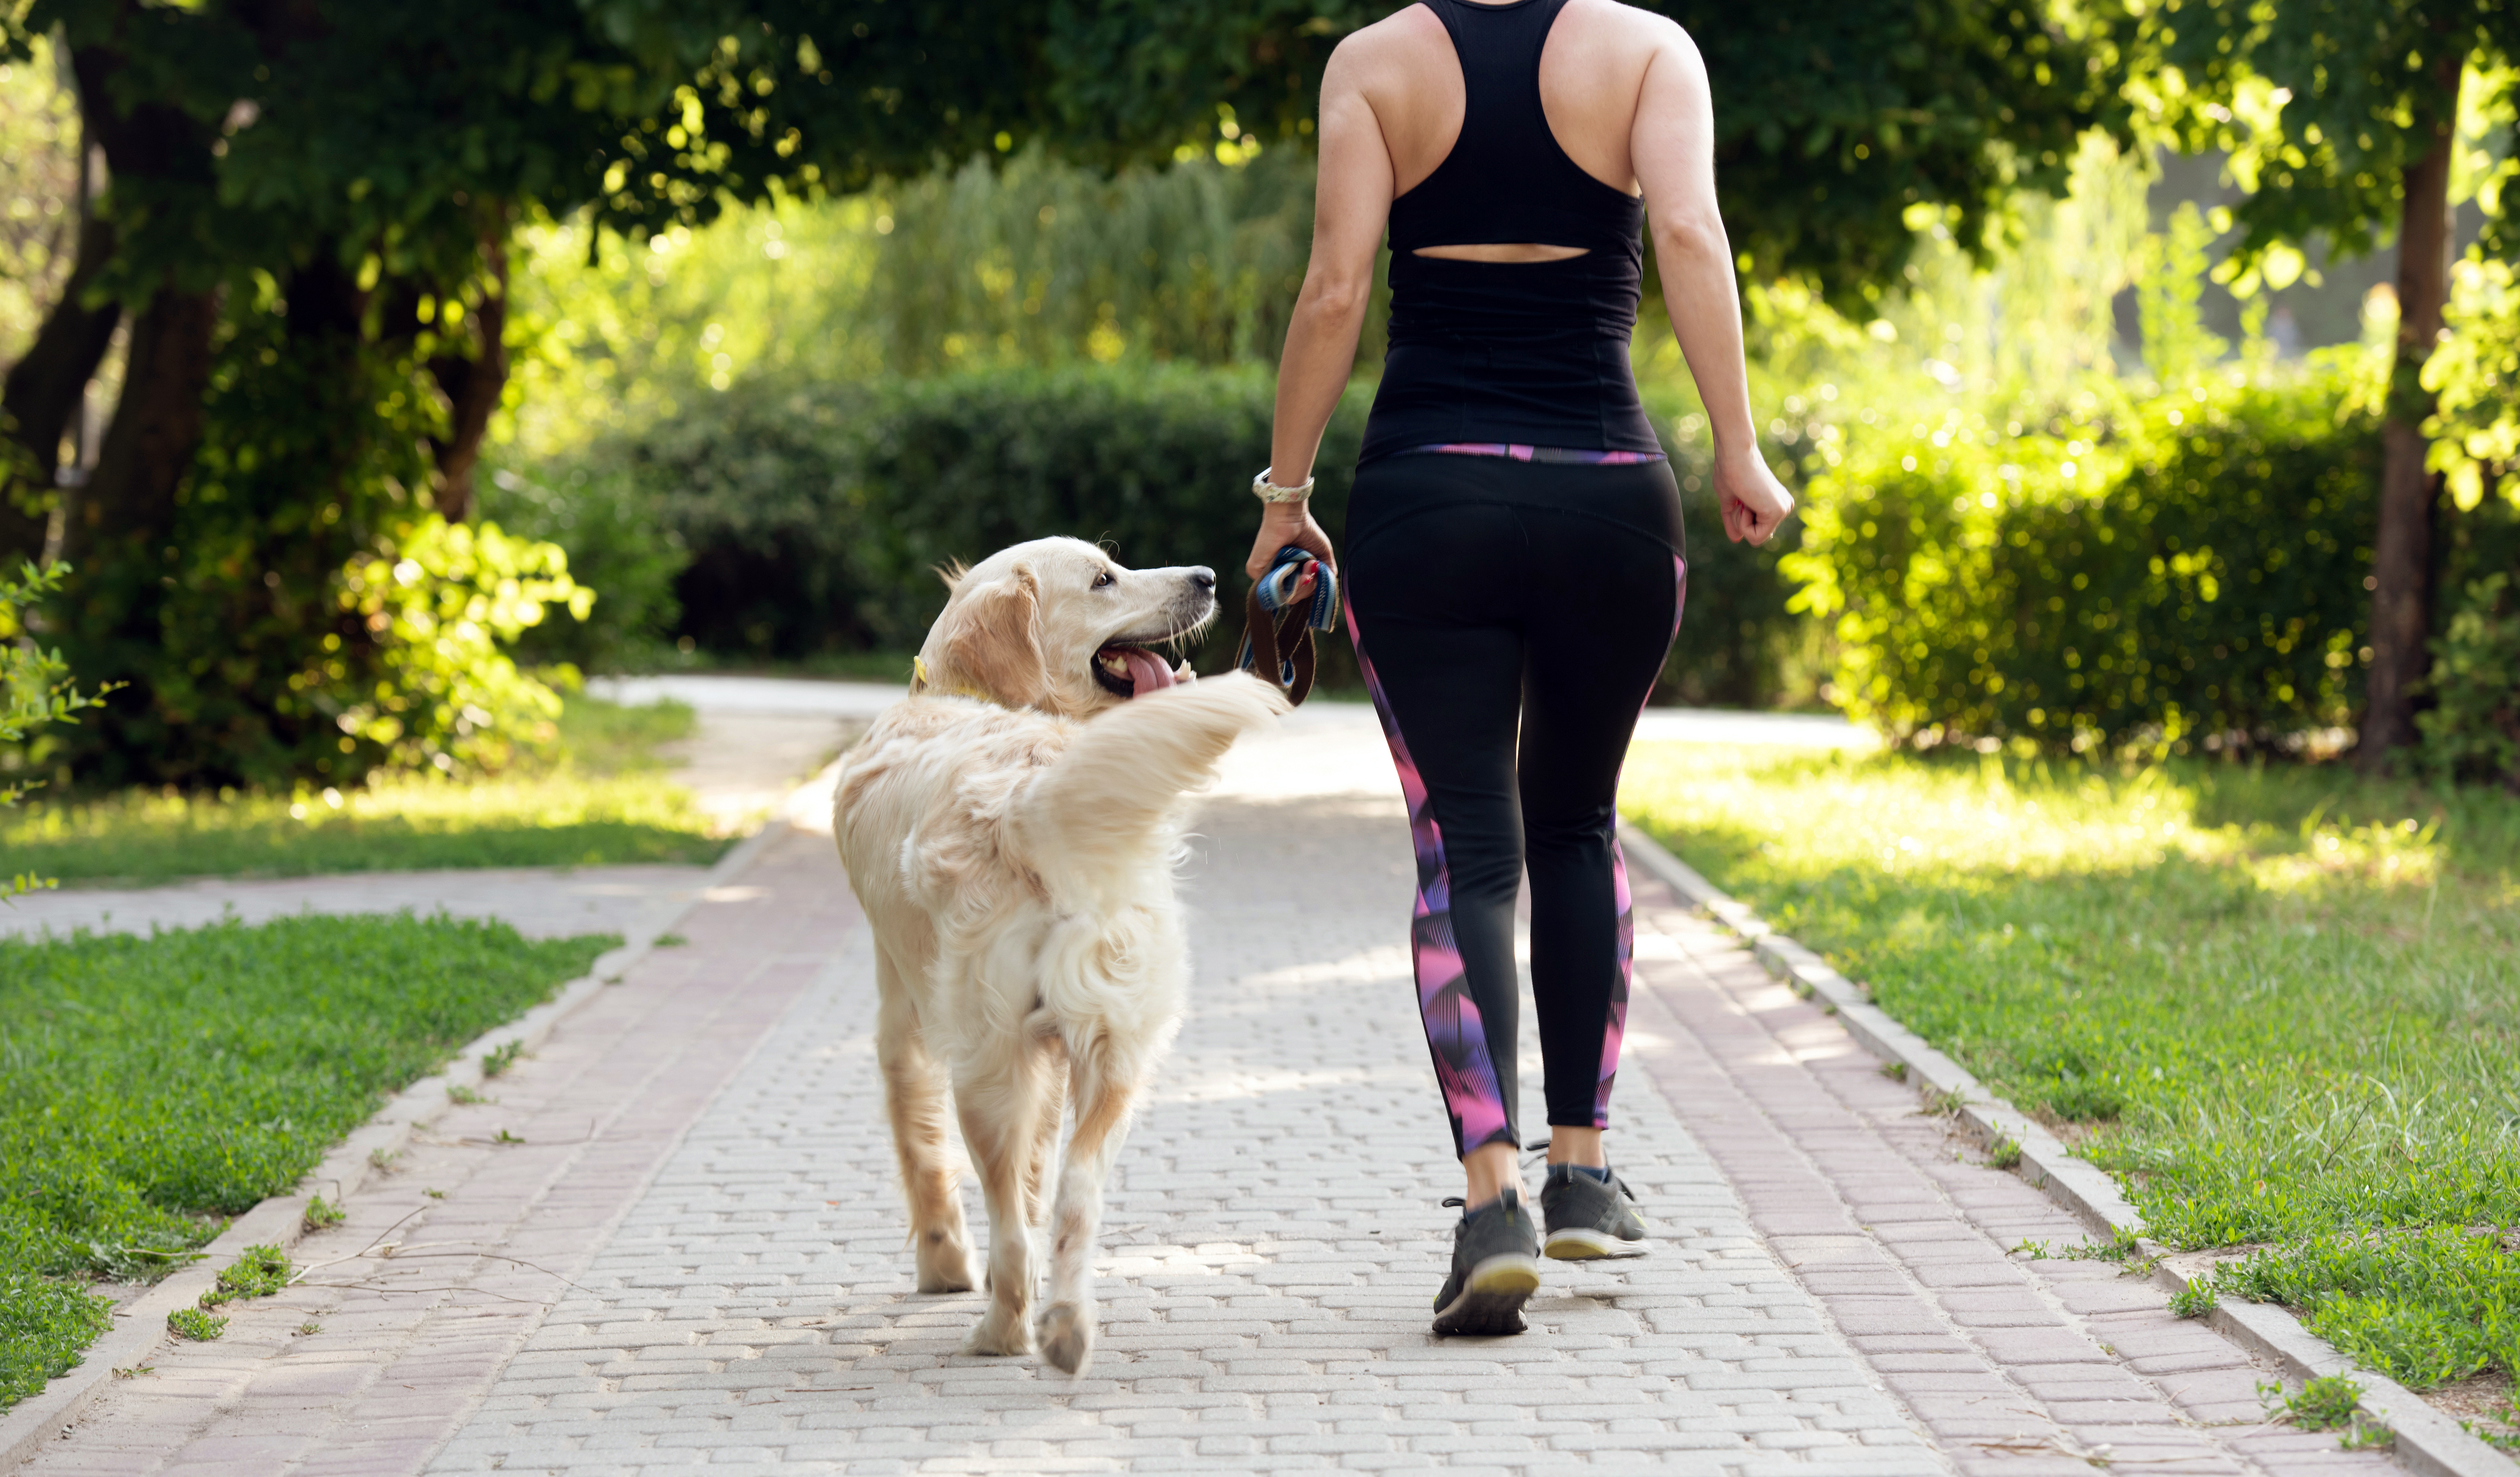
(2484, 1403)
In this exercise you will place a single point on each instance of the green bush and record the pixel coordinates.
(2473, 730)
(610, 527)
(805, 520)
(2187, 571)
(276, 636)
(813, 517)
(34, 692)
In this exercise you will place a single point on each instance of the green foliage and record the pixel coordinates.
(2475, 379)
(500, 1058)
(2322, 107)
(35, 688)
(2186, 568)
(273, 637)
(2428, 1305)
(257, 1272)
(44, 1324)
(2473, 730)
(321, 1214)
(2195, 1300)
(814, 517)
(34, 692)
(2324, 1404)
(1833, 121)
(608, 531)
(196, 1324)
(2176, 346)
(156, 1085)
(601, 804)
(444, 598)
(39, 191)
(2275, 997)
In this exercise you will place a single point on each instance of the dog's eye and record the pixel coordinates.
(1103, 577)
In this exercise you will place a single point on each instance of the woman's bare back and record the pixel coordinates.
(1592, 78)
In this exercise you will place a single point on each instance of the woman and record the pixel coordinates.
(1515, 564)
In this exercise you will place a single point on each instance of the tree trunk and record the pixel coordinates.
(2402, 563)
(157, 427)
(157, 423)
(473, 387)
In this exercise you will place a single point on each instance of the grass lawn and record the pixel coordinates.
(151, 1086)
(607, 800)
(2282, 1006)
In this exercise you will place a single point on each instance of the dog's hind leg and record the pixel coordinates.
(1049, 1067)
(1104, 1084)
(999, 1103)
(914, 1097)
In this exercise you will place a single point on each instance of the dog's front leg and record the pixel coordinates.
(1103, 1089)
(998, 1111)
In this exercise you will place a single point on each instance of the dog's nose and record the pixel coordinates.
(1203, 577)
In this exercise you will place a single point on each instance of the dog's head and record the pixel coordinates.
(1058, 624)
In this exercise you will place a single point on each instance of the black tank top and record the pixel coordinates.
(1532, 352)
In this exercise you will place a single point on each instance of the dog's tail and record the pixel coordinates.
(1100, 804)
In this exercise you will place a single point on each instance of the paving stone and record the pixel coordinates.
(716, 1280)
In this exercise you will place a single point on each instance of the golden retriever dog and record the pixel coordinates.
(1012, 829)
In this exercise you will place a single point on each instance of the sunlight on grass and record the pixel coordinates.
(157, 1085)
(2281, 1005)
(607, 801)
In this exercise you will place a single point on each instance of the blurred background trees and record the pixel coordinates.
(735, 316)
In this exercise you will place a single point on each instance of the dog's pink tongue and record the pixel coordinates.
(1146, 670)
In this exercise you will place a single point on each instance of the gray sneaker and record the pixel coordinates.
(1587, 1217)
(1495, 1269)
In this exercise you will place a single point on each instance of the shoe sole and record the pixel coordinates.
(1492, 1298)
(1577, 1244)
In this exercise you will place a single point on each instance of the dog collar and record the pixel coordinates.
(919, 670)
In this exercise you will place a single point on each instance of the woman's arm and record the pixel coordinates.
(1674, 149)
(1351, 205)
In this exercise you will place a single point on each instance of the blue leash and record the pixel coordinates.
(1290, 621)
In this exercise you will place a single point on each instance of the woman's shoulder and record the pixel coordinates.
(1393, 38)
(1610, 22)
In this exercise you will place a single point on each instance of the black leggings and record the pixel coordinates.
(1485, 592)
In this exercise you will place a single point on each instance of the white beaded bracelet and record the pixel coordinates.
(1269, 492)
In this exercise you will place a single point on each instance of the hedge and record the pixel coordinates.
(809, 519)
(2186, 571)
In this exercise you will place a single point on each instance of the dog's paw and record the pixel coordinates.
(999, 1332)
(1067, 1331)
(944, 1263)
(941, 1281)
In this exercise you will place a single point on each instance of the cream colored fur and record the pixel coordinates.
(1015, 865)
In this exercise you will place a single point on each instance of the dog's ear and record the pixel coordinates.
(995, 640)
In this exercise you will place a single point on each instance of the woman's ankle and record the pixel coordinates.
(1579, 1146)
(1490, 1170)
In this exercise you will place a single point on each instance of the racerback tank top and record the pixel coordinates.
(1530, 352)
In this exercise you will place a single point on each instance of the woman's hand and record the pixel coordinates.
(1281, 524)
(1755, 503)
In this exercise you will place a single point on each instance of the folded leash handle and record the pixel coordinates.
(1278, 640)
(1280, 646)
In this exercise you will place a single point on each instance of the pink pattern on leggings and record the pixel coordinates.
(1614, 1029)
(1456, 1036)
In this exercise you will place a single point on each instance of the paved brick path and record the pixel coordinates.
(542, 902)
(709, 1270)
(408, 1342)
